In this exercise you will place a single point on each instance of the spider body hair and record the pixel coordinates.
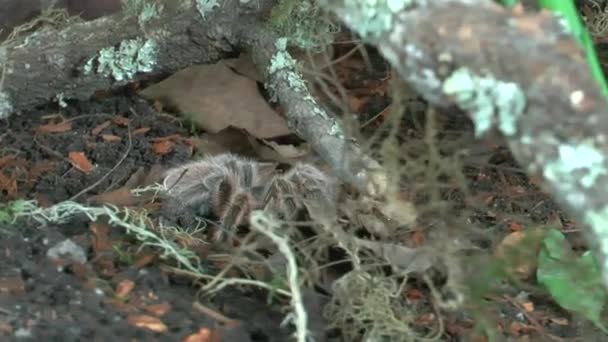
(204, 186)
(302, 187)
(230, 187)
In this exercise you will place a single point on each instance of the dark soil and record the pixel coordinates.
(49, 299)
(58, 300)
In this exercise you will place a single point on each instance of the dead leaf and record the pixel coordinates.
(158, 106)
(401, 257)
(289, 151)
(121, 120)
(158, 309)
(270, 150)
(60, 127)
(111, 137)
(39, 169)
(120, 197)
(145, 260)
(124, 288)
(147, 322)
(244, 66)
(80, 161)
(559, 320)
(142, 130)
(172, 137)
(425, 319)
(101, 127)
(163, 147)
(413, 294)
(528, 306)
(7, 160)
(518, 328)
(14, 285)
(202, 335)
(519, 250)
(215, 97)
(418, 238)
(102, 245)
(227, 140)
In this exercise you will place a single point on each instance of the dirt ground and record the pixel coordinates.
(112, 289)
(55, 300)
(44, 300)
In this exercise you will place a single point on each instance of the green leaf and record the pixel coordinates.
(574, 282)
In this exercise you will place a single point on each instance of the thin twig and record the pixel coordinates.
(213, 314)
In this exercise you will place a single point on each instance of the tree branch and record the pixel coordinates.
(305, 116)
(517, 74)
(72, 63)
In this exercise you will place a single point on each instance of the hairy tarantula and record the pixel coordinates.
(229, 187)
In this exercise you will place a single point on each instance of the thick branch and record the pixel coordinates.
(305, 116)
(50, 66)
(54, 65)
(520, 75)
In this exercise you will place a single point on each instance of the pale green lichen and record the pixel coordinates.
(143, 9)
(60, 99)
(582, 158)
(282, 62)
(123, 62)
(303, 22)
(6, 105)
(598, 222)
(150, 11)
(371, 18)
(206, 6)
(487, 99)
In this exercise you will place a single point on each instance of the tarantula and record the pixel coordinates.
(229, 187)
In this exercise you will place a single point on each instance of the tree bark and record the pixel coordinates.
(57, 65)
(51, 65)
(517, 74)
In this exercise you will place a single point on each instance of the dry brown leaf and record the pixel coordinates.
(172, 137)
(39, 169)
(103, 261)
(559, 320)
(158, 309)
(147, 322)
(119, 197)
(269, 150)
(528, 306)
(158, 106)
(121, 120)
(124, 288)
(111, 137)
(101, 127)
(214, 97)
(13, 285)
(289, 151)
(202, 335)
(244, 66)
(227, 140)
(519, 250)
(142, 130)
(163, 147)
(60, 127)
(7, 160)
(144, 260)
(80, 161)
(418, 238)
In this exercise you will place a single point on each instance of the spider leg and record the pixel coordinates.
(235, 214)
(281, 198)
(314, 187)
